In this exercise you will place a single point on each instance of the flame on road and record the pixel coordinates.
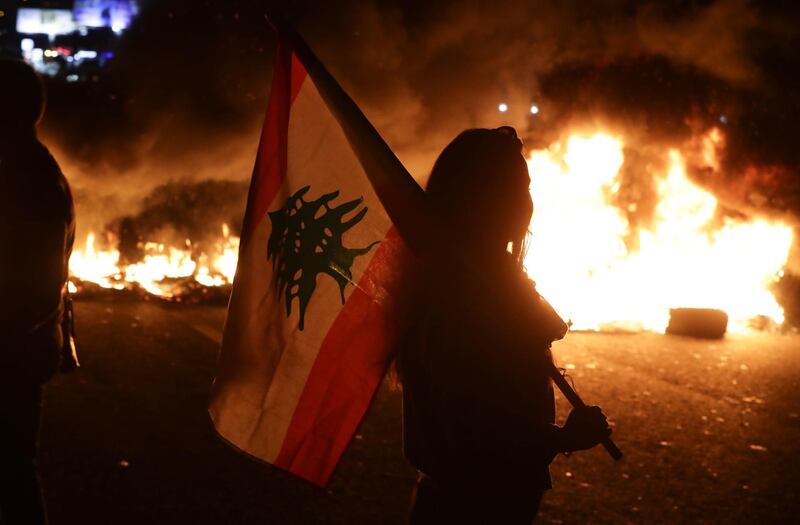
(159, 264)
(582, 264)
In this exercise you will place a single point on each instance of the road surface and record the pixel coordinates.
(710, 430)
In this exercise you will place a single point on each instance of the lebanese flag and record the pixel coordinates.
(309, 328)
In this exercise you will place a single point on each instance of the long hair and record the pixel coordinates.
(478, 187)
(479, 184)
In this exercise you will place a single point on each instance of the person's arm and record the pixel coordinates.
(50, 242)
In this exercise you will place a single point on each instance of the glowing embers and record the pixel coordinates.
(165, 271)
(602, 272)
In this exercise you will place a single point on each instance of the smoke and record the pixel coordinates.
(180, 109)
(185, 100)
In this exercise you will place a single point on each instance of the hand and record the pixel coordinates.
(585, 428)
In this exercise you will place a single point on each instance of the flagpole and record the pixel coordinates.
(576, 401)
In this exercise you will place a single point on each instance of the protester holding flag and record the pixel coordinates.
(478, 403)
(316, 314)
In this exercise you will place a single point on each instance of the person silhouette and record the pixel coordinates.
(37, 228)
(478, 404)
(473, 357)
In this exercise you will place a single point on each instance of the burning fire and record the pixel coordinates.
(159, 267)
(596, 269)
(583, 265)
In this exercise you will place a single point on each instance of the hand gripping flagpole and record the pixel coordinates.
(576, 401)
(404, 200)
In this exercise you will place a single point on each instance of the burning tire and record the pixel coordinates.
(706, 323)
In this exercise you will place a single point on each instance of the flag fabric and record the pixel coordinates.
(309, 331)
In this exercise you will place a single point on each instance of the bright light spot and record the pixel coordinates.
(2, 14)
(26, 44)
(502, 107)
(723, 119)
(84, 54)
(73, 78)
(534, 109)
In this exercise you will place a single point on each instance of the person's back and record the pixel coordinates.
(478, 404)
(478, 407)
(36, 235)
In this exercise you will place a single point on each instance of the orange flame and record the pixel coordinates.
(160, 262)
(581, 263)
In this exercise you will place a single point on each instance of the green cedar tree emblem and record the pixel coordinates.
(306, 240)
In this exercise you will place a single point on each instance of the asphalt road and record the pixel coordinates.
(711, 433)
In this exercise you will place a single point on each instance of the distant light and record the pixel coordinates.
(51, 22)
(723, 119)
(72, 78)
(84, 54)
(2, 14)
(534, 109)
(26, 44)
(503, 107)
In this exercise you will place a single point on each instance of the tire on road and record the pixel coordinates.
(705, 323)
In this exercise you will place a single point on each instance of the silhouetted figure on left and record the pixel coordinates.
(37, 229)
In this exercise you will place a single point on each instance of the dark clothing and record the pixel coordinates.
(37, 230)
(433, 504)
(20, 495)
(478, 406)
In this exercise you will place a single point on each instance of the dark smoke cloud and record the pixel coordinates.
(188, 92)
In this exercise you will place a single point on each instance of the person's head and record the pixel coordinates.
(22, 98)
(479, 186)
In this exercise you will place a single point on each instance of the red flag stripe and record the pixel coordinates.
(269, 171)
(353, 355)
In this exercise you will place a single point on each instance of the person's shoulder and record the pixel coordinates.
(46, 170)
(45, 160)
(33, 158)
(36, 172)
(523, 305)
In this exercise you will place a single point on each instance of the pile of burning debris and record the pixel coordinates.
(185, 290)
(624, 245)
(167, 273)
